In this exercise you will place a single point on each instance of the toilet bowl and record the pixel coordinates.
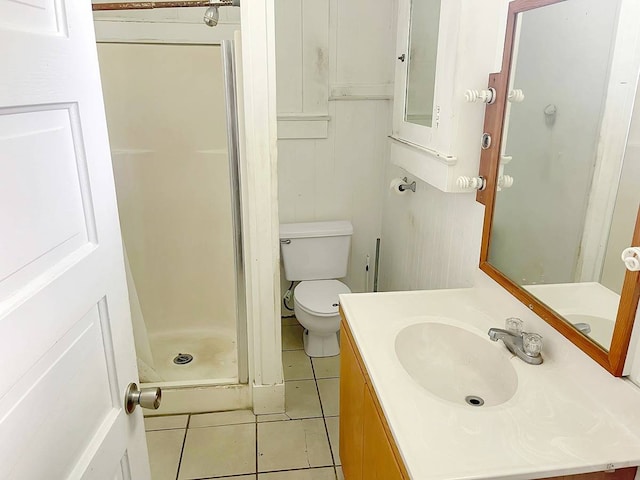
(316, 308)
(317, 254)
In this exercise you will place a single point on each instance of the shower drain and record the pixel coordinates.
(474, 400)
(182, 359)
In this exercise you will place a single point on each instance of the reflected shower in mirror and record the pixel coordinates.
(423, 49)
(558, 231)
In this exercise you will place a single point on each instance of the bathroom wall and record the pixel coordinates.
(334, 90)
(432, 239)
(326, 73)
(164, 107)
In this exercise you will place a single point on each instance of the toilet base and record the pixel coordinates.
(316, 345)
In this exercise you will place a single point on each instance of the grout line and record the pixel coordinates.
(294, 470)
(324, 419)
(184, 441)
(257, 447)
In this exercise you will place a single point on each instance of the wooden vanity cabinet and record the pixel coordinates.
(367, 449)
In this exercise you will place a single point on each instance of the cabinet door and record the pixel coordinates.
(352, 388)
(379, 462)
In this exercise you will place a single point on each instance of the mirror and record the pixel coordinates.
(421, 61)
(563, 197)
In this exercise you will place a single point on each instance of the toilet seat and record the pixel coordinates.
(319, 297)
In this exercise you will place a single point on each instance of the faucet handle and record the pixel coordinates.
(513, 325)
(532, 344)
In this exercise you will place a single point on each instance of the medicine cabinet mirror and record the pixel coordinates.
(563, 172)
(423, 75)
(420, 58)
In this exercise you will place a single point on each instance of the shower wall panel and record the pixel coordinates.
(166, 117)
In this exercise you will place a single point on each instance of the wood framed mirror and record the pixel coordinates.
(562, 172)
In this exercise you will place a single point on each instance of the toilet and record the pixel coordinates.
(316, 254)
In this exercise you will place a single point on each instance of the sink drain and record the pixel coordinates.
(474, 401)
(182, 359)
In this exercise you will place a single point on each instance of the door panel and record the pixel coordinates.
(37, 16)
(49, 189)
(65, 329)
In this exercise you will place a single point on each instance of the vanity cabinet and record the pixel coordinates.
(367, 448)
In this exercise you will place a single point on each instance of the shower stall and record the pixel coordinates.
(171, 114)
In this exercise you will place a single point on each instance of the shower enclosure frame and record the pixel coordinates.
(128, 32)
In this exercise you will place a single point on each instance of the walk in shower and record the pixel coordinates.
(172, 126)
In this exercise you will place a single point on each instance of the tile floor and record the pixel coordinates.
(300, 444)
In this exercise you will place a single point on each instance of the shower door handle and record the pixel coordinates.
(146, 398)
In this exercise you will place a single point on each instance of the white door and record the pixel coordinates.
(66, 346)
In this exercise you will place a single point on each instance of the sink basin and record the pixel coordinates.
(456, 365)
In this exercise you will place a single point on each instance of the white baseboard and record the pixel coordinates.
(268, 399)
(214, 398)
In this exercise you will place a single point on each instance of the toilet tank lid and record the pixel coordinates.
(316, 229)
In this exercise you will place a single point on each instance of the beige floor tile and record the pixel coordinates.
(292, 337)
(330, 396)
(296, 365)
(165, 447)
(301, 399)
(218, 451)
(222, 418)
(306, 474)
(290, 321)
(333, 427)
(326, 367)
(273, 417)
(292, 444)
(339, 473)
(165, 423)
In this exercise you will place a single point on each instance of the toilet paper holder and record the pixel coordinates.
(407, 186)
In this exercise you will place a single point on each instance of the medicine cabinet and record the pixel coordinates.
(431, 75)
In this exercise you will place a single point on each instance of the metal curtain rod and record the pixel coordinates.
(152, 5)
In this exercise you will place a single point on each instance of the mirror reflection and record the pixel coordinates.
(560, 227)
(423, 49)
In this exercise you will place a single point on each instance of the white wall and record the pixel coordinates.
(429, 239)
(335, 70)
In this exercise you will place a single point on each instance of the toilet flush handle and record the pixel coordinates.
(285, 241)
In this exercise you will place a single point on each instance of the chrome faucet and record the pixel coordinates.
(525, 346)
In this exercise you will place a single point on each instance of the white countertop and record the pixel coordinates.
(568, 415)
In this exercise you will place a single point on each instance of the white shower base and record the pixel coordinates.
(215, 355)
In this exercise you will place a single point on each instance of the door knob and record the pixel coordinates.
(146, 398)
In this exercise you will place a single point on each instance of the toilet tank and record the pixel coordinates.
(315, 251)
